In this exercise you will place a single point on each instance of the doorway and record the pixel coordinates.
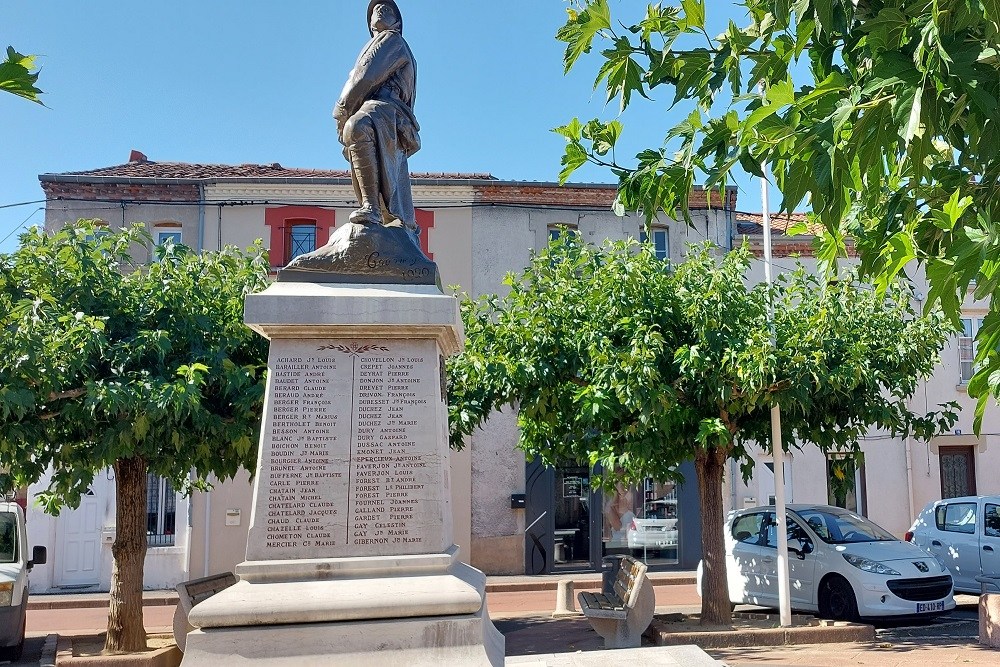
(79, 542)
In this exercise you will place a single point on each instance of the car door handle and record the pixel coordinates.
(935, 543)
(767, 560)
(987, 548)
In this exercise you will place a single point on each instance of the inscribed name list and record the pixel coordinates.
(351, 460)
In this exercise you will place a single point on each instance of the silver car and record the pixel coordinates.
(964, 533)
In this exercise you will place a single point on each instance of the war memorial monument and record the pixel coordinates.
(350, 559)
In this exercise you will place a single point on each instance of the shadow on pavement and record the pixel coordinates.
(532, 635)
(32, 651)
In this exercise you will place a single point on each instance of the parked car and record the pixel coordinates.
(841, 565)
(658, 527)
(965, 534)
(14, 567)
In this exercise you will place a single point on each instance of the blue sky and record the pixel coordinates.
(254, 81)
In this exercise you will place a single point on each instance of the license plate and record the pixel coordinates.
(923, 607)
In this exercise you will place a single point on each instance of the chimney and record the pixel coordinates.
(137, 156)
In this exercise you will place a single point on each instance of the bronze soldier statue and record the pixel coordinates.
(376, 125)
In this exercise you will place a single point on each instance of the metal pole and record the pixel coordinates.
(784, 602)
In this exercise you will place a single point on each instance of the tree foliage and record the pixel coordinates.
(18, 76)
(880, 116)
(104, 360)
(617, 359)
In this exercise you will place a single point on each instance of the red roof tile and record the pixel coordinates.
(188, 171)
(753, 223)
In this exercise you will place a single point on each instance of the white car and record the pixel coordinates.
(658, 530)
(965, 534)
(841, 565)
(14, 567)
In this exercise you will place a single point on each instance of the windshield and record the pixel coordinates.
(8, 537)
(843, 527)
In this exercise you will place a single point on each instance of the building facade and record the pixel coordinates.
(510, 517)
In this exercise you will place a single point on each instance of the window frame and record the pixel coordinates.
(968, 348)
(657, 230)
(941, 518)
(165, 498)
(290, 241)
(986, 514)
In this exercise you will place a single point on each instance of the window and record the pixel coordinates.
(844, 481)
(661, 243)
(161, 502)
(747, 528)
(556, 231)
(8, 537)
(796, 534)
(839, 526)
(967, 347)
(163, 236)
(991, 520)
(958, 472)
(956, 517)
(301, 239)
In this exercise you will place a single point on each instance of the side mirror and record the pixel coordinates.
(799, 553)
(38, 557)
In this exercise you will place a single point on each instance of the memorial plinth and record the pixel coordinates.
(350, 558)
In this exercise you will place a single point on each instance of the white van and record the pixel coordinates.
(14, 567)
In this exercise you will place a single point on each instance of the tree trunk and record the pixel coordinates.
(715, 608)
(125, 629)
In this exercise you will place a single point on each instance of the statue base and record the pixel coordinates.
(403, 610)
(370, 254)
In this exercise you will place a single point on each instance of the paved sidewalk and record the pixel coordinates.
(524, 616)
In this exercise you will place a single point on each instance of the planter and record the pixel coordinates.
(86, 650)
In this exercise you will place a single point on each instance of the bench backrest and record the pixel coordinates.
(198, 590)
(628, 581)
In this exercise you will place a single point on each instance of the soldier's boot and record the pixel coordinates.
(365, 164)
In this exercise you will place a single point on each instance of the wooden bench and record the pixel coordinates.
(625, 610)
(989, 611)
(191, 593)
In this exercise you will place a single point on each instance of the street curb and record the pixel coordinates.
(69, 602)
(39, 601)
(825, 632)
(578, 584)
(48, 657)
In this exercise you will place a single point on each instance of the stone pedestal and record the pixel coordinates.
(350, 557)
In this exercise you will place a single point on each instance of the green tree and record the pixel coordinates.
(105, 363)
(18, 75)
(618, 360)
(880, 116)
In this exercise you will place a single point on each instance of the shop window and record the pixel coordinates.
(642, 521)
(660, 240)
(161, 511)
(958, 472)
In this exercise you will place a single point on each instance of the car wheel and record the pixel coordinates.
(837, 601)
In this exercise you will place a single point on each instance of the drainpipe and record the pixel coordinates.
(201, 217)
(220, 227)
(909, 476)
(208, 529)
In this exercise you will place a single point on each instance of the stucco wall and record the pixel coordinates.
(165, 567)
